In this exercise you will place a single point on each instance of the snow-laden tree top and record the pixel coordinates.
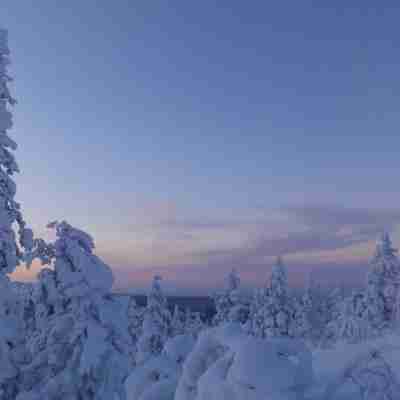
(10, 255)
(155, 296)
(385, 262)
(233, 280)
(279, 281)
(384, 246)
(78, 270)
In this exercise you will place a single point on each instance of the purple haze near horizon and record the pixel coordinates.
(192, 138)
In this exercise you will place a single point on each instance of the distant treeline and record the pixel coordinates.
(202, 304)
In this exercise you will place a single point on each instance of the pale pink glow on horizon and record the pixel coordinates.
(205, 277)
(24, 274)
(198, 253)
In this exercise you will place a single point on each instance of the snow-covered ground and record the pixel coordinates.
(226, 364)
(339, 371)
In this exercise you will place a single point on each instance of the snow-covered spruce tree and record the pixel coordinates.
(375, 305)
(135, 319)
(274, 311)
(397, 311)
(10, 214)
(86, 342)
(383, 283)
(280, 299)
(156, 323)
(222, 299)
(11, 335)
(229, 303)
(178, 321)
(279, 280)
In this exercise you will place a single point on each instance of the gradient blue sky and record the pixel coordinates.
(186, 136)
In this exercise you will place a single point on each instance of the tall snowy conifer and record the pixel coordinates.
(178, 322)
(279, 281)
(383, 282)
(156, 323)
(10, 252)
(229, 303)
(281, 304)
(271, 311)
(135, 318)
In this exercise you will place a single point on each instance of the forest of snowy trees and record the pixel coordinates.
(66, 336)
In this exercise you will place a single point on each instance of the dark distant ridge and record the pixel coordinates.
(202, 304)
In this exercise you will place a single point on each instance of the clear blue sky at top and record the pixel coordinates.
(226, 103)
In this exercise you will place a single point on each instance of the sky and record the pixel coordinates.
(192, 137)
